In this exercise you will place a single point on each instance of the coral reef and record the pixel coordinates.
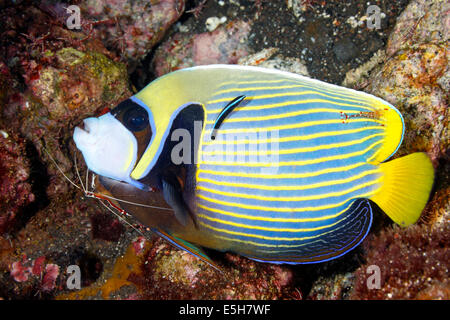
(224, 45)
(414, 81)
(55, 79)
(167, 269)
(132, 28)
(52, 77)
(413, 264)
(66, 232)
(152, 269)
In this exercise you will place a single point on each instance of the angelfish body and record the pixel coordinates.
(287, 175)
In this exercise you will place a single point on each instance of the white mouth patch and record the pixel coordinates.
(109, 149)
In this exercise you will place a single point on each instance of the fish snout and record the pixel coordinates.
(88, 134)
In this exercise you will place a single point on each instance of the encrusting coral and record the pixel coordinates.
(413, 264)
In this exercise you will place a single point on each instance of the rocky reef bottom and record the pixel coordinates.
(52, 77)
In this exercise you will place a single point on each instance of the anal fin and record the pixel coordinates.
(187, 246)
(346, 235)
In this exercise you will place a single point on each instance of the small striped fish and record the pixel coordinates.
(274, 166)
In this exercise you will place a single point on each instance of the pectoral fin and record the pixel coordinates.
(173, 196)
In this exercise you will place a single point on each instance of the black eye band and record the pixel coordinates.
(135, 119)
(132, 115)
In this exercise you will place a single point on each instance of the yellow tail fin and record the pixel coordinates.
(406, 187)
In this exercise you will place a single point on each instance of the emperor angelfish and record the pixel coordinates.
(271, 165)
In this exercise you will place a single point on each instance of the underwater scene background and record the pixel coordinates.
(62, 61)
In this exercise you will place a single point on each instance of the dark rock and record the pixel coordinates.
(345, 50)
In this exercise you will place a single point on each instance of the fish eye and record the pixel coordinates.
(135, 119)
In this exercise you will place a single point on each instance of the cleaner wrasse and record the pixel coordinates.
(271, 165)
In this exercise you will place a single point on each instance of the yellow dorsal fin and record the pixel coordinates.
(405, 188)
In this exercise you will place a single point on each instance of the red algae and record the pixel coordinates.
(15, 188)
(19, 272)
(106, 227)
(38, 266)
(50, 276)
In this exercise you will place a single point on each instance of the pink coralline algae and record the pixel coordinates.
(38, 266)
(139, 245)
(45, 275)
(50, 276)
(19, 272)
(227, 44)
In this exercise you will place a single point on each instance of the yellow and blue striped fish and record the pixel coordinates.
(271, 165)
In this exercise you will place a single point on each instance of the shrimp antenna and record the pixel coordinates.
(134, 203)
(89, 193)
(78, 173)
(60, 170)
